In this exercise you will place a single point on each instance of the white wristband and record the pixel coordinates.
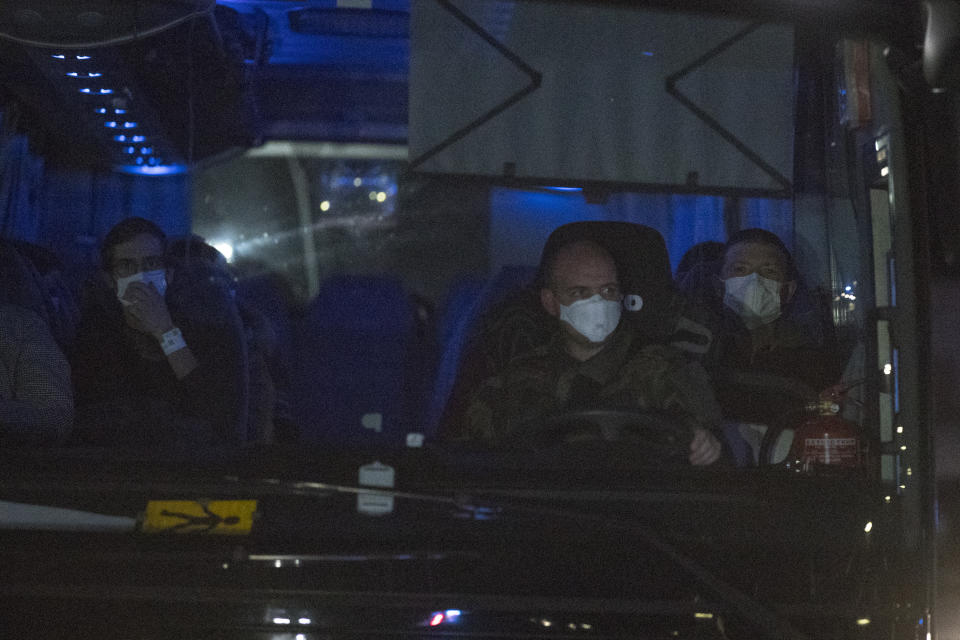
(172, 341)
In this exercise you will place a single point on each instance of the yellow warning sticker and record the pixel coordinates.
(218, 517)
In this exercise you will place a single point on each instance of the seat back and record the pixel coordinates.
(454, 322)
(266, 306)
(485, 334)
(356, 379)
(201, 293)
(268, 294)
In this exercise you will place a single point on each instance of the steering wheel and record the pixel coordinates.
(662, 434)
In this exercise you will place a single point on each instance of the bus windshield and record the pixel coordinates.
(500, 292)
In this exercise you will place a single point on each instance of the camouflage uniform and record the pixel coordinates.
(625, 374)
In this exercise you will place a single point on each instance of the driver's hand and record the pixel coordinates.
(705, 448)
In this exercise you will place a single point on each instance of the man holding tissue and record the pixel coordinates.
(594, 362)
(143, 373)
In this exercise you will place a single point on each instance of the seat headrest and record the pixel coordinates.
(643, 267)
(372, 305)
(639, 251)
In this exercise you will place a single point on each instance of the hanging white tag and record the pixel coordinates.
(415, 440)
(375, 474)
(372, 421)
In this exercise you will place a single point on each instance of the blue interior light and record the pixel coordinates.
(120, 138)
(120, 112)
(130, 150)
(129, 125)
(80, 57)
(146, 151)
(59, 56)
(110, 124)
(161, 170)
(101, 110)
(139, 160)
(139, 138)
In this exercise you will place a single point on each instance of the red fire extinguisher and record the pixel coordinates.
(825, 438)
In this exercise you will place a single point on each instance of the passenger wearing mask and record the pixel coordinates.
(772, 350)
(592, 362)
(36, 401)
(144, 373)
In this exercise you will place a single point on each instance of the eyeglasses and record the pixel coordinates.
(125, 267)
(607, 292)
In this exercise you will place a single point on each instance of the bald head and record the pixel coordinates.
(572, 260)
(580, 271)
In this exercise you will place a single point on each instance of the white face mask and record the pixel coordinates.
(157, 278)
(594, 318)
(754, 298)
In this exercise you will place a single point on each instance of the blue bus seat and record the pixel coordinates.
(454, 322)
(506, 320)
(356, 382)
